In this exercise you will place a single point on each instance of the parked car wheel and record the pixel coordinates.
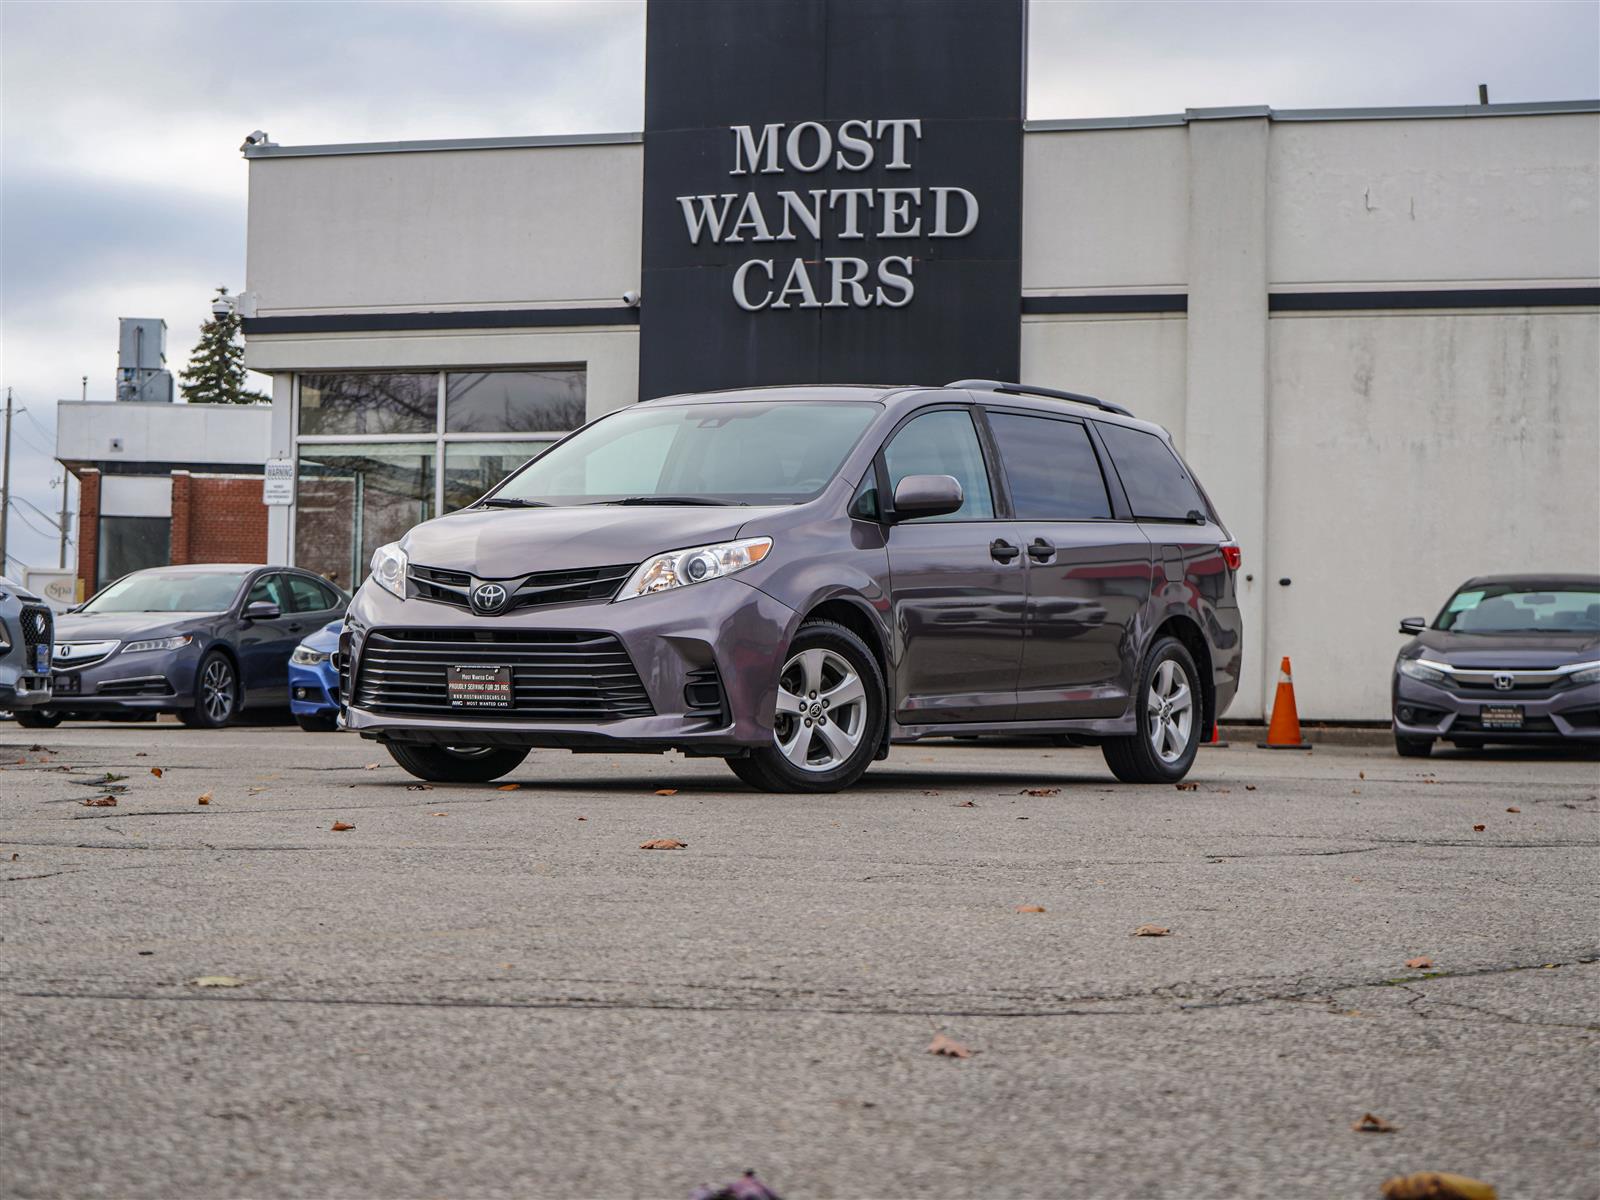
(1169, 715)
(1407, 747)
(457, 764)
(37, 718)
(313, 723)
(216, 693)
(832, 708)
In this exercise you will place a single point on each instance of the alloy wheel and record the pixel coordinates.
(822, 710)
(1171, 708)
(216, 690)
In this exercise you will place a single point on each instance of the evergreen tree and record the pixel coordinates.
(215, 374)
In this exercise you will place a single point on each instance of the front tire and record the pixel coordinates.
(1409, 747)
(37, 718)
(316, 723)
(1168, 711)
(457, 764)
(831, 712)
(216, 693)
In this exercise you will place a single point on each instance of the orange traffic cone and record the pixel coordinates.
(1284, 731)
(1216, 737)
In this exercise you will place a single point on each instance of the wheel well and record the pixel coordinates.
(1187, 632)
(854, 618)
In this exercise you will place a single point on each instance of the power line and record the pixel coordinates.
(54, 524)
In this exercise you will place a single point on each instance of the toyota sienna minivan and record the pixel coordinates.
(794, 579)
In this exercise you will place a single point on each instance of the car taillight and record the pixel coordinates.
(1232, 555)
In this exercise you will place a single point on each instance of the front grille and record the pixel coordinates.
(557, 674)
(37, 625)
(541, 589)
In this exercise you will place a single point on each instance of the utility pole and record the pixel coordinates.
(5, 486)
(66, 484)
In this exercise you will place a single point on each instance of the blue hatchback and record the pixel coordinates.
(314, 680)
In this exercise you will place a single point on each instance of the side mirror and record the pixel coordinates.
(262, 610)
(1411, 626)
(927, 496)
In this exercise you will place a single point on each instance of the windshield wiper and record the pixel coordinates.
(706, 500)
(512, 502)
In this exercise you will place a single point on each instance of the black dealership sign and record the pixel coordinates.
(832, 192)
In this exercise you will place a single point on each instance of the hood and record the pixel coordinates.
(99, 627)
(326, 639)
(504, 543)
(1505, 650)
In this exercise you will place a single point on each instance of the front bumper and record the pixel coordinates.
(22, 689)
(313, 691)
(150, 681)
(1426, 710)
(672, 639)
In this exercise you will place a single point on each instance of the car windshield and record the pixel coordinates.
(159, 591)
(1516, 608)
(731, 452)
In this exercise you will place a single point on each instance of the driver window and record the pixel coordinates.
(268, 587)
(943, 443)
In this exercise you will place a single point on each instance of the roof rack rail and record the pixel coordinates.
(1028, 389)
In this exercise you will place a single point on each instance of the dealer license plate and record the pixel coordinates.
(1500, 716)
(41, 659)
(68, 685)
(478, 687)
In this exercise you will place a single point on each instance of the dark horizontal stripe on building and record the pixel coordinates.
(1118, 302)
(483, 318)
(1533, 297)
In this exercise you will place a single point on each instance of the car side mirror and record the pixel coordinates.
(262, 610)
(1411, 626)
(927, 496)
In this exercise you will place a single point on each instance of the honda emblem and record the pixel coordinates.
(1504, 682)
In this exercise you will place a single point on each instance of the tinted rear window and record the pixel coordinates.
(1158, 487)
(1051, 467)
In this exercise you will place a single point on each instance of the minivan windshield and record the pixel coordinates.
(730, 452)
(158, 591)
(1517, 608)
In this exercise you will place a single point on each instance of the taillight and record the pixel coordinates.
(1232, 555)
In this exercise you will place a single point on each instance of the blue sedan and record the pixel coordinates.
(314, 680)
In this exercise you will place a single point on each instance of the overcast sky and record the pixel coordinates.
(124, 194)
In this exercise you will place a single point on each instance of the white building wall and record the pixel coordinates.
(87, 430)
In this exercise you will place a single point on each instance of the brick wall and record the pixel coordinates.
(88, 530)
(217, 519)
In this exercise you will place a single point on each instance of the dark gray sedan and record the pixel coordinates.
(202, 641)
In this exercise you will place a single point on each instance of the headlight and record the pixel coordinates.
(679, 568)
(389, 568)
(1416, 670)
(306, 657)
(167, 643)
(1587, 675)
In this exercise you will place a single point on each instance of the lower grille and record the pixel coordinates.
(153, 685)
(556, 675)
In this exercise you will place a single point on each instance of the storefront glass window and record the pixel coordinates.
(472, 468)
(515, 401)
(132, 544)
(361, 403)
(351, 499)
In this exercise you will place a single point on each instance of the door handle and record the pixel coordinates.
(1002, 551)
(1041, 551)
(295, 628)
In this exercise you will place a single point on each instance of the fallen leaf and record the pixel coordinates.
(964, 804)
(1516, 810)
(666, 791)
(419, 787)
(1030, 908)
(14, 857)
(1187, 787)
(1249, 787)
(1040, 792)
(1371, 1123)
(583, 818)
(1435, 1185)
(340, 826)
(508, 787)
(254, 791)
(1419, 964)
(216, 981)
(1479, 828)
(100, 802)
(1019, 818)
(663, 844)
(156, 771)
(1362, 775)
(439, 814)
(1151, 931)
(1355, 791)
(204, 798)
(372, 766)
(948, 1047)
(141, 754)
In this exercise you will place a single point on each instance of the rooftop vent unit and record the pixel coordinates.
(142, 374)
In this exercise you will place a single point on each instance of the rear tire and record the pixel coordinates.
(1408, 747)
(38, 718)
(216, 693)
(450, 764)
(827, 670)
(1167, 702)
(314, 723)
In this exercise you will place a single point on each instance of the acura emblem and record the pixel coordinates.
(1504, 682)
(64, 651)
(489, 597)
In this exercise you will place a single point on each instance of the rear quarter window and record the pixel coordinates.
(1158, 487)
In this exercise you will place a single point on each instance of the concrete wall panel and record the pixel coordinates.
(1137, 362)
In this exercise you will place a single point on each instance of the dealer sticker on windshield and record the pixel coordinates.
(478, 687)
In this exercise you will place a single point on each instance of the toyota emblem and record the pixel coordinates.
(489, 598)
(1504, 682)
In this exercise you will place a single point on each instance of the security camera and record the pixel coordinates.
(631, 299)
(256, 137)
(222, 306)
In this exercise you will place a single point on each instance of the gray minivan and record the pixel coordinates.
(795, 578)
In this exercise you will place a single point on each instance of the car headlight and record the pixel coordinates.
(389, 568)
(1414, 668)
(177, 642)
(1587, 675)
(679, 568)
(306, 657)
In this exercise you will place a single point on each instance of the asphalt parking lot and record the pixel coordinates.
(478, 991)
